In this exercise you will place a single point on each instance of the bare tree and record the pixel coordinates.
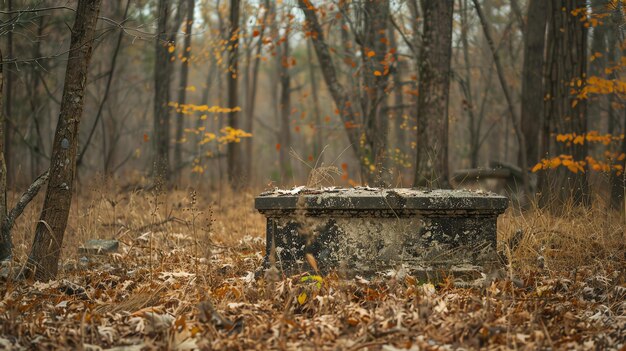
(182, 87)
(162, 74)
(507, 94)
(284, 102)
(9, 106)
(105, 97)
(46, 250)
(532, 79)
(252, 93)
(337, 92)
(234, 165)
(374, 50)
(564, 113)
(431, 166)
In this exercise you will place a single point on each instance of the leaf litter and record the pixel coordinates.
(162, 290)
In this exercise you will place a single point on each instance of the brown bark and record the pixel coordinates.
(398, 116)
(375, 80)
(618, 180)
(337, 92)
(566, 64)
(532, 79)
(5, 240)
(46, 250)
(474, 124)
(318, 140)
(9, 108)
(107, 89)
(162, 73)
(252, 90)
(234, 165)
(431, 166)
(286, 171)
(182, 88)
(507, 95)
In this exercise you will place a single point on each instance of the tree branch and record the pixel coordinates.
(25, 199)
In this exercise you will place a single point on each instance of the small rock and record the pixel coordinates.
(99, 247)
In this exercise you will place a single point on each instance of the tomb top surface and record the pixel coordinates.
(367, 198)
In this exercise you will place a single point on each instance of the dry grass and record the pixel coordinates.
(184, 278)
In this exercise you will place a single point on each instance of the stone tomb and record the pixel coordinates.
(366, 230)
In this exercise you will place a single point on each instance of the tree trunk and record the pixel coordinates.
(107, 89)
(466, 86)
(564, 113)
(431, 166)
(375, 80)
(399, 125)
(8, 153)
(182, 89)
(234, 166)
(318, 139)
(596, 103)
(252, 90)
(532, 79)
(618, 179)
(6, 243)
(47, 245)
(286, 172)
(35, 108)
(337, 92)
(162, 73)
(507, 95)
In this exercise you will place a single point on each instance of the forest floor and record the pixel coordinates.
(183, 278)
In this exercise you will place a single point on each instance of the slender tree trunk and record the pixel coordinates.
(8, 147)
(564, 113)
(507, 95)
(107, 89)
(318, 140)
(532, 79)
(162, 74)
(341, 99)
(375, 77)
(182, 89)
(234, 167)
(46, 250)
(6, 243)
(618, 179)
(466, 85)
(597, 103)
(286, 170)
(431, 164)
(35, 109)
(252, 90)
(399, 125)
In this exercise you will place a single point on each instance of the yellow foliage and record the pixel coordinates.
(576, 166)
(590, 137)
(599, 85)
(232, 135)
(188, 109)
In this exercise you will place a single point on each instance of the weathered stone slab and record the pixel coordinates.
(99, 247)
(365, 230)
